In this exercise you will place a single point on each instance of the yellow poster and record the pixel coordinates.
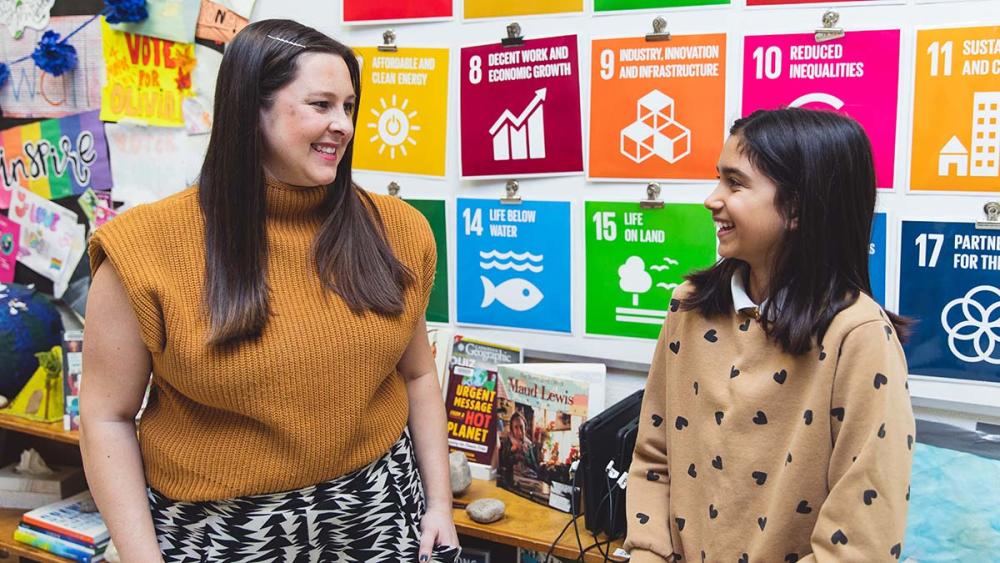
(403, 117)
(148, 78)
(503, 8)
(956, 110)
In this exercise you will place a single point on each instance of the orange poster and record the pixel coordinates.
(657, 109)
(956, 111)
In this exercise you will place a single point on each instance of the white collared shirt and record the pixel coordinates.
(742, 302)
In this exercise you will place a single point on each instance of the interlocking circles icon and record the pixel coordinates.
(979, 331)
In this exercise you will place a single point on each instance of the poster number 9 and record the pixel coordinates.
(607, 64)
(476, 69)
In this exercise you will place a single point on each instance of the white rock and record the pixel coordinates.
(486, 510)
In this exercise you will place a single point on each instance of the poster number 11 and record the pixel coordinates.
(940, 53)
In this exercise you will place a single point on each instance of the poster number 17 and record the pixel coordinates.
(921, 242)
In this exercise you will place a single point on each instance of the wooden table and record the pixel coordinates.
(526, 524)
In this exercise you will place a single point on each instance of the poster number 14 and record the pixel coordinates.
(473, 221)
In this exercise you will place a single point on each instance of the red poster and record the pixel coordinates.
(777, 2)
(357, 11)
(521, 109)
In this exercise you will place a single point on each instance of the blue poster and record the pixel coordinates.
(876, 259)
(513, 264)
(948, 282)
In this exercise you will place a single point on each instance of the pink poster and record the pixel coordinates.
(9, 235)
(521, 109)
(857, 75)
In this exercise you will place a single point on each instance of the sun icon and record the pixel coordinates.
(393, 126)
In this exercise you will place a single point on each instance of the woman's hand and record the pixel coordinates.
(436, 528)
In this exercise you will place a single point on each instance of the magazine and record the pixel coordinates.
(540, 408)
(58, 546)
(72, 371)
(470, 400)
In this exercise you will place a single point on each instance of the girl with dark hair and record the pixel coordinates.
(776, 423)
(280, 309)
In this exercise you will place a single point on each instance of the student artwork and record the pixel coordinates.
(956, 110)
(520, 111)
(362, 11)
(174, 20)
(403, 119)
(20, 14)
(657, 109)
(31, 92)
(619, 5)
(54, 158)
(150, 163)
(434, 211)
(52, 242)
(10, 236)
(148, 78)
(876, 258)
(949, 282)
(513, 264)
(857, 75)
(635, 259)
(503, 8)
(218, 23)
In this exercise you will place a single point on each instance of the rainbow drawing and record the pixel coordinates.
(55, 158)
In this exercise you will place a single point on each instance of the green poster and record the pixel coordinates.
(433, 210)
(635, 259)
(615, 5)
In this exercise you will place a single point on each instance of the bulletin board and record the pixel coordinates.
(453, 115)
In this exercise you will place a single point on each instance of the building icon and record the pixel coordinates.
(655, 132)
(984, 157)
(523, 136)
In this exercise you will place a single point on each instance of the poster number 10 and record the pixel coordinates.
(768, 62)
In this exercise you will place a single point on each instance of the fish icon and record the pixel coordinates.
(517, 294)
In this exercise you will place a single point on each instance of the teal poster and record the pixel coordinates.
(433, 210)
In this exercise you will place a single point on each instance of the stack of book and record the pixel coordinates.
(70, 528)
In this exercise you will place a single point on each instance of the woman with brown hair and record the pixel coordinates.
(280, 309)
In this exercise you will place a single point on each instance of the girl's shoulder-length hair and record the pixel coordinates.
(821, 163)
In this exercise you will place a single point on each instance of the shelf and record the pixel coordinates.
(9, 519)
(526, 524)
(48, 430)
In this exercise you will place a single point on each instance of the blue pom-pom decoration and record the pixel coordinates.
(125, 11)
(29, 324)
(4, 74)
(53, 56)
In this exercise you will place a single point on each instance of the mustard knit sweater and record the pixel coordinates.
(316, 397)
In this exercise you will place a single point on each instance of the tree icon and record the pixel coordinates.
(633, 278)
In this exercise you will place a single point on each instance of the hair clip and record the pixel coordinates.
(287, 41)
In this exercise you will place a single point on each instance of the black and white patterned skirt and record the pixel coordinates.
(371, 515)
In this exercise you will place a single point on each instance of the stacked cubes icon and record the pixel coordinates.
(655, 132)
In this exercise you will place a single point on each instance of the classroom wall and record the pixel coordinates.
(952, 400)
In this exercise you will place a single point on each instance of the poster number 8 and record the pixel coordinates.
(607, 64)
(476, 69)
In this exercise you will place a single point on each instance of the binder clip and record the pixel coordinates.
(393, 188)
(388, 41)
(660, 32)
(512, 197)
(829, 30)
(514, 37)
(652, 200)
(992, 221)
